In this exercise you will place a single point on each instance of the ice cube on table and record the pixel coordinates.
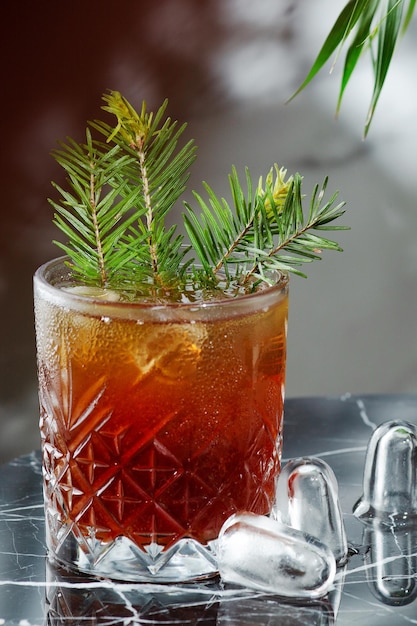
(261, 553)
(390, 475)
(307, 499)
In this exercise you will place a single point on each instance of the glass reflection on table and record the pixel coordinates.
(71, 598)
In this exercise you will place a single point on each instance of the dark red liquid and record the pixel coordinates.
(159, 431)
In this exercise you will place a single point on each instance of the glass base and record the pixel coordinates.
(122, 560)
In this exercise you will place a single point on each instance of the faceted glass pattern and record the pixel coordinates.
(158, 423)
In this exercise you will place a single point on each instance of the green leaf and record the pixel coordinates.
(337, 36)
(387, 39)
(408, 15)
(371, 26)
(359, 42)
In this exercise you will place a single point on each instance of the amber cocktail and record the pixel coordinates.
(158, 421)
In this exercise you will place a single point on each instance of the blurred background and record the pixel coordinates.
(227, 67)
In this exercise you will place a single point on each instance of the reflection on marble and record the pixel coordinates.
(377, 586)
(392, 563)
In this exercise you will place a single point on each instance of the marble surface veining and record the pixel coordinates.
(337, 429)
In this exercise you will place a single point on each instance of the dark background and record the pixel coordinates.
(227, 67)
(57, 59)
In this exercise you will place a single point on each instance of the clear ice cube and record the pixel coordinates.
(98, 293)
(307, 500)
(390, 475)
(173, 350)
(261, 553)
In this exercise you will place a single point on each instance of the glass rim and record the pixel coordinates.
(40, 277)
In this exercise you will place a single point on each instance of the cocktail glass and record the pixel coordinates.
(158, 421)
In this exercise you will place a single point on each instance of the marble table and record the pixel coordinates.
(33, 593)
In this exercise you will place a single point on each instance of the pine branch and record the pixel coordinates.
(157, 169)
(91, 211)
(118, 193)
(262, 227)
(121, 187)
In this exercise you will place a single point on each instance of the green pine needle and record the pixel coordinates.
(261, 227)
(122, 184)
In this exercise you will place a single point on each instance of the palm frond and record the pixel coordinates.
(362, 26)
(336, 38)
(387, 39)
